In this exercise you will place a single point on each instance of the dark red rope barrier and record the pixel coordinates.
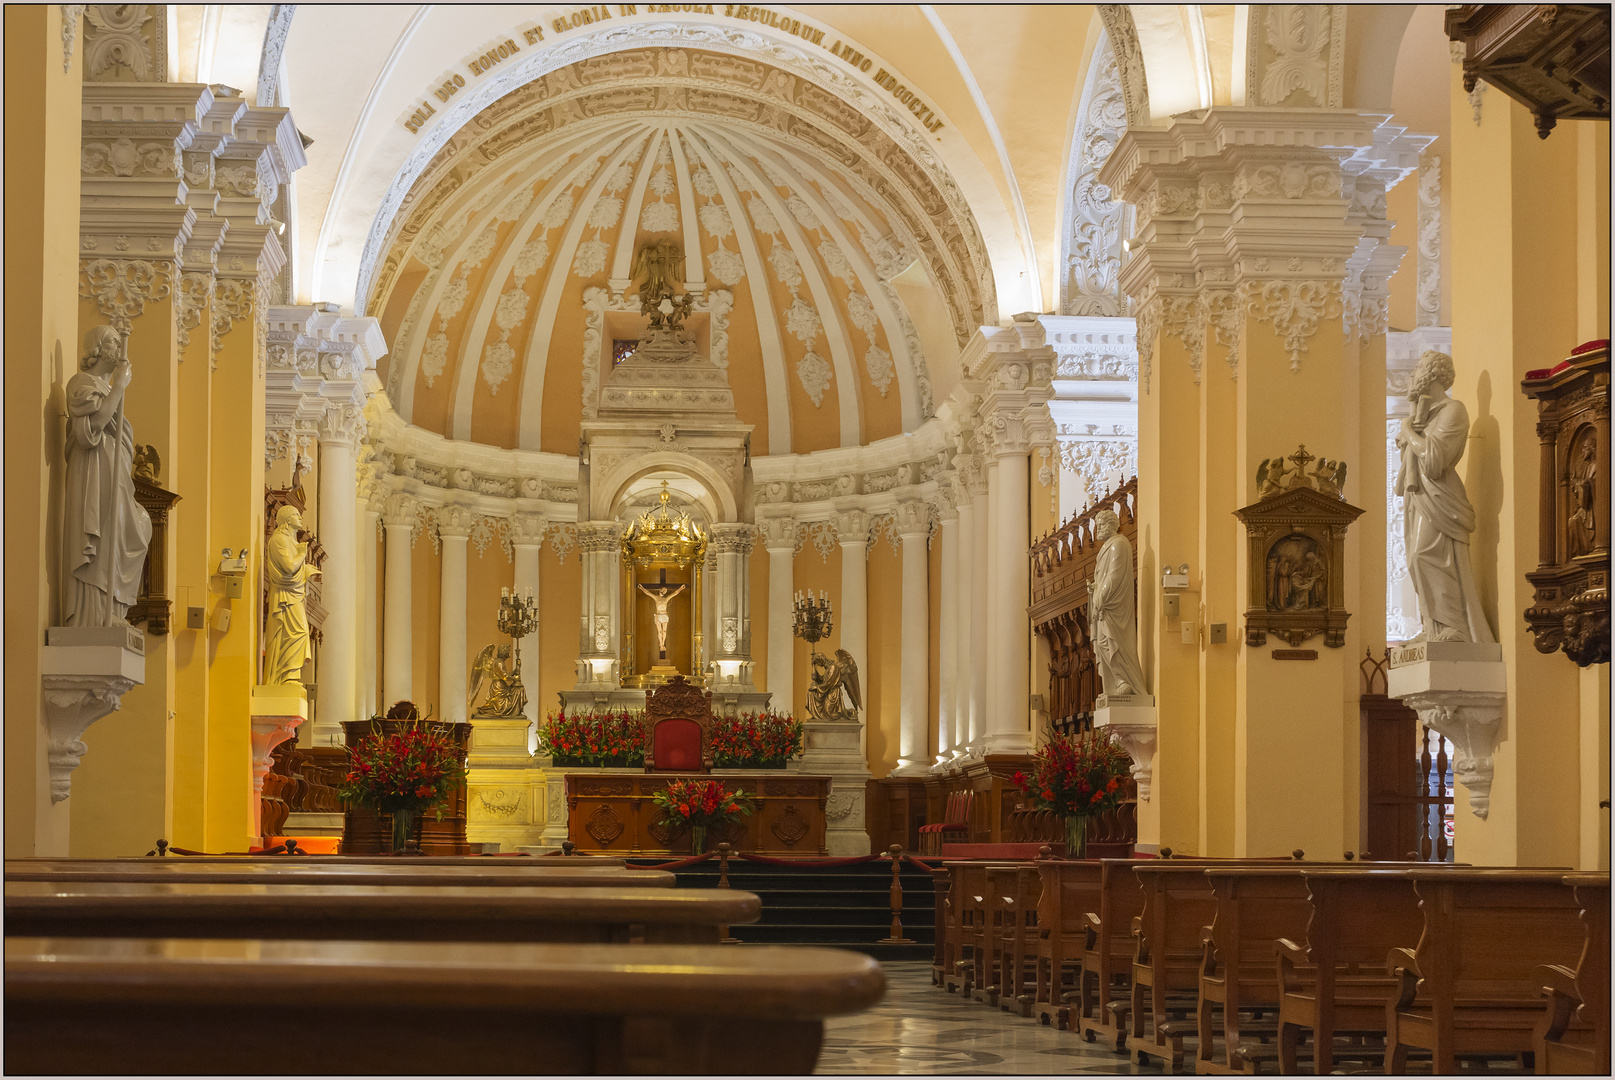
(679, 864)
(915, 862)
(848, 861)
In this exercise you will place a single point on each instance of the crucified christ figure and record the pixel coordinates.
(661, 593)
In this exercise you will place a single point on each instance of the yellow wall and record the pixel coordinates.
(1518, 229)
(883, 682)
(42, 107)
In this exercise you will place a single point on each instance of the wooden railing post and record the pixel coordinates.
(723, 883)
(897, 938)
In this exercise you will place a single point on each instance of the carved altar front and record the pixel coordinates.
(614, 812)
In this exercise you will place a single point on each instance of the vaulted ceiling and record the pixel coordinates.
(506, 275)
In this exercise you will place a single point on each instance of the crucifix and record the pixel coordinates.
(661, 592)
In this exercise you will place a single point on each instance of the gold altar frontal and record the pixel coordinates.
(660, 540)
(615, 813)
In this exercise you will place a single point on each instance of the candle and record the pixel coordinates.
(504, 593)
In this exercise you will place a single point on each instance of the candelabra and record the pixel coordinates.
(812, 618)
(518, 617)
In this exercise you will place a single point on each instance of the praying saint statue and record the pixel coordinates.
(1112, 620)
(287, 566)
(506, 695)
(105, 531)
(828, 680)
(1437, 517)
(661, 594)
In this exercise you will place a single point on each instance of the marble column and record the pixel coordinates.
(852, 621)
(527, 537)
(600, 546)
(981, 661)
(730, 604)
(398, 655)
(454, 529)
(948, 632)
(779, 539)
(914, 689)
(1008, 717)
(369, 609)
(335, 692)
(970, 609)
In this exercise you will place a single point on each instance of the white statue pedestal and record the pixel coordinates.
(1458, 688)
(87, 670)
(277, 712)
(1131, 720)
(834, 749)
(504, 791)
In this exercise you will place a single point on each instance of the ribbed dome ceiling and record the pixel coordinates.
(506, 280)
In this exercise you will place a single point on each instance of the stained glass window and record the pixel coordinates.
(622, 349)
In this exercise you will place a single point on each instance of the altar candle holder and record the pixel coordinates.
(812, 618)
(518, 617)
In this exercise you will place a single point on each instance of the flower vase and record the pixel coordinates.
(403, 830)
(1076, 836)
(698, 839)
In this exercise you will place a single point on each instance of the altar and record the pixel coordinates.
(614, 812)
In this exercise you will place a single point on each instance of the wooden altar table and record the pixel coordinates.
(614, 812)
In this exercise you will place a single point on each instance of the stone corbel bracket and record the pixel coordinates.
(1470, 721)
(1458, 689)
(82, 684)
(1136, 735)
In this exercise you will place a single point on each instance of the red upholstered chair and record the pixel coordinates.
(678, 722)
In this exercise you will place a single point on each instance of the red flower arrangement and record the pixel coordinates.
(595, 738)
(1076, 777)
(404, 774)
(753, 739)
(700, 804)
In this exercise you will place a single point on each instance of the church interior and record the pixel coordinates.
(855, 538)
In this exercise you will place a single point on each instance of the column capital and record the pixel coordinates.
(341, 425)
(527, 530)
(455, 521)
(599, 536)
(400, 509)
(732, 538)
(852, 528)
(779, 534)
(912, 519)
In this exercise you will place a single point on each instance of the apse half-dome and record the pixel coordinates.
(810, 237)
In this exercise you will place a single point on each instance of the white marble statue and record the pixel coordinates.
(286, 636)
(1437, 517)
(1112, 613)
(105, 532)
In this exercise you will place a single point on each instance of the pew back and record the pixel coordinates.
(298, 872)
(1475, 944)
(362, 913)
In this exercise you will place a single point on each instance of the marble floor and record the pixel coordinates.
(920, 1029)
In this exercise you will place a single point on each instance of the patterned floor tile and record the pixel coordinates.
(920, 1029)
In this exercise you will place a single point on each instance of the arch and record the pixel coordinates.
(1094, 222)
(607, 492)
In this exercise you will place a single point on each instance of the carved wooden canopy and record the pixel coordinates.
(1551, 58)
(1571, 608)
(1297, 552)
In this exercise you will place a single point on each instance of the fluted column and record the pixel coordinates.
(454, 528)
(336, 691)
(398, 655)
(949, 632)
(852, 527)
(527, 537)
(369, 608)
(779, 539)
(914, 689)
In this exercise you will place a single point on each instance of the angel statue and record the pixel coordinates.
(824, 700)
(506, 695)
(659, 267)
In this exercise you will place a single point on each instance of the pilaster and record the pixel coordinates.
(779, 540)
(454, 529)
(913, 524)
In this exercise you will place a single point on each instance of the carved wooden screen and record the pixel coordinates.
(1407, 777)
(1062, 564)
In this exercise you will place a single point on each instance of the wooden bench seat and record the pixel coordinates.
(1107, 953)
(164, 1006)
(369, 913)
(285, 871)
(1018, 890)
(1469, 988)
(1069, 890)
(1573, 1034)
(1169, 948)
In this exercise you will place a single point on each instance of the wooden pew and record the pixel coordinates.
(1107, 953)
(1069, 890)
(967, 897)
(987, 913)
(338, 872)
(366, 913)
(1573, 1035)
(1019, 892)
(161, 1006)
(941, 945)
(1469, 987)
(1178, 904)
